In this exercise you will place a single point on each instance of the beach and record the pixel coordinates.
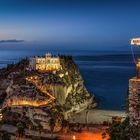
(97, 116)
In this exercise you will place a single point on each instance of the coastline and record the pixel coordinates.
(96, 116)
(98, 74)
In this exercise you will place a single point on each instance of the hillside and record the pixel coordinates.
(42, 101)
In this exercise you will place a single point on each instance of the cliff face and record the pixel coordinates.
(60, 92)
(26, 103)
(66, 85)
(77, 96)
(45, 99)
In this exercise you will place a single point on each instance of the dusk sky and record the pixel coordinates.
(83, 22)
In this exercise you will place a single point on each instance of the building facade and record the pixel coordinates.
(47, 63)
(134, 97)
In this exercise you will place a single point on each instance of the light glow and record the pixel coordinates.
(74, 138)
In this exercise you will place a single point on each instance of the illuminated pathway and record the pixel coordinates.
(23, 101)
(15, 101)
(40, 87)
(85, 135)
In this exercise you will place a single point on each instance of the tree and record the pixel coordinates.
(20, 130)
(52, 124)
(65, 125)
(4, 135)
(124, 131)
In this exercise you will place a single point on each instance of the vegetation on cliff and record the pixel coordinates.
(124, 131)
(42, 101)
(78, 95)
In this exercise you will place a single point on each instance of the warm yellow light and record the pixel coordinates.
(74, 138)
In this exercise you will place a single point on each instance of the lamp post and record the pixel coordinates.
(138, 68)
(86, 118)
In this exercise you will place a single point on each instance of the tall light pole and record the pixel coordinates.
(86, 118)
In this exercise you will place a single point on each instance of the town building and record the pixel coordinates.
(46, 63)
(134, 97)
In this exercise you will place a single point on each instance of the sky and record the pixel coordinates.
(95, 24)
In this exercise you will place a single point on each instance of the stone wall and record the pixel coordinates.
(134, 100)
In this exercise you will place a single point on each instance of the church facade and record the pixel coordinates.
(47, 63)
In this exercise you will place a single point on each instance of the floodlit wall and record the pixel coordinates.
(47, 63)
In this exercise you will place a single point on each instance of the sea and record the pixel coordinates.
(106, 73)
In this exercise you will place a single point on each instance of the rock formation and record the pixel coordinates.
(42, 100)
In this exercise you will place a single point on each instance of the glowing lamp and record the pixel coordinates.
(74, 138)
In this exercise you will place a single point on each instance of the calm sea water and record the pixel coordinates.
(106, 74)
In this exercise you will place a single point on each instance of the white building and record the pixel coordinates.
(47, 63)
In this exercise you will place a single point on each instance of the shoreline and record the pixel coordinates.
(96, 116)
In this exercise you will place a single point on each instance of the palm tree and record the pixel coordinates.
(4, 135)
(52, 124)
(86, 118)
(65, 125)
(20, 131)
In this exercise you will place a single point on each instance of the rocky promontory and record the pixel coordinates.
(42, 101)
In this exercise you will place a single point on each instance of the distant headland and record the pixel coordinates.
(11, 41)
